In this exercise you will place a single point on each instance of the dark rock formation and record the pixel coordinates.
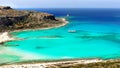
(11, 19)
(5, 7)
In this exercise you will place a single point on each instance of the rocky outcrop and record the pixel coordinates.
(11, 19)
(5, 7)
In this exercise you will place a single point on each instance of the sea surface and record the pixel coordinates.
(97, 35)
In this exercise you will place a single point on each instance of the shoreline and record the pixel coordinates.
(65, 22)
(47, 64)
(5, 36)
(59, 64)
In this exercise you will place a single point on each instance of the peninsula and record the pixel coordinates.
(16, 20)
(11, 19)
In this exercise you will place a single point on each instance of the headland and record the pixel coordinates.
(19, 20)
(11, 19)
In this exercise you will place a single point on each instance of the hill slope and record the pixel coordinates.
(11, 19)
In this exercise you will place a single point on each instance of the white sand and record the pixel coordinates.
(5, 37)
(44, 65)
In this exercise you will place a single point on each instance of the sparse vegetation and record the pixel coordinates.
(11, 19)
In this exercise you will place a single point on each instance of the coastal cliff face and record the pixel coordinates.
(11, 19)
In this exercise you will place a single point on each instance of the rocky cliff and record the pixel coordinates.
(11, 19)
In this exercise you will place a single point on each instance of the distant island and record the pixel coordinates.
(11, 19)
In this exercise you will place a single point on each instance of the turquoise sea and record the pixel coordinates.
(97, 36)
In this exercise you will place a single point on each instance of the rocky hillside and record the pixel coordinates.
(11, 19)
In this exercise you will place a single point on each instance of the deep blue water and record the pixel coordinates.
(97, 36)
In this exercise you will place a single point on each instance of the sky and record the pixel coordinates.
(61, 3)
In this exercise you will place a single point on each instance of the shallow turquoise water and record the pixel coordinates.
(94, 38)
(58, 43)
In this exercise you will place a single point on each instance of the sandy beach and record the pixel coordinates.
(52, 64)
(4, 37)
(78, 63)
